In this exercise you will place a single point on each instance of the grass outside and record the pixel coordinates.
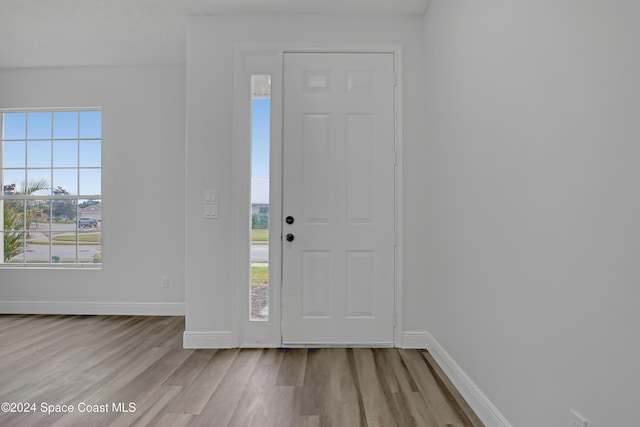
(260, 236)
(83, 239)
(259, 275)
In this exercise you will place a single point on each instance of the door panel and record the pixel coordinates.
(360, 157)
(316, 144)
(338, 185)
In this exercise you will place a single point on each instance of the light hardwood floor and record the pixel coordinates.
(108, 361)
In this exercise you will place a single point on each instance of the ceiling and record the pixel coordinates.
(41, 33)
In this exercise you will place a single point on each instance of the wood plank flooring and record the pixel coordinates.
(111, 363)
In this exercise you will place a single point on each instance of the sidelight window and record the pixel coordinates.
(260, 149)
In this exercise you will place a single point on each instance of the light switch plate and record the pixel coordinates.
(210, 211)
(210, 196)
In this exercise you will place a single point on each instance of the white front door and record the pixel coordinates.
(338, 199)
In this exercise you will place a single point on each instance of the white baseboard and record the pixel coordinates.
(477, 400)
(208, 339)
(414, 339)
(93, 308)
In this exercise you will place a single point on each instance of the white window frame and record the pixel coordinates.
(51, 197)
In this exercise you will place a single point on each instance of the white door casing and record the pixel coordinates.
(338, 185)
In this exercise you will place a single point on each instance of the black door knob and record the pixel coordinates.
(289, 220)
(289, 237)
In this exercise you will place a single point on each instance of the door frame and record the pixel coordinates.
(252, 59)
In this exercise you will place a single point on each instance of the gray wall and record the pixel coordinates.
(531, 183)
(142, 184)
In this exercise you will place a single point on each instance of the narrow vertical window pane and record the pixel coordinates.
(65, 153)
(14, 247)
(65, 124)
(91, 124)
(260, 155)
(63, 231)
(39, 125)
(38, 182)
(65, 181)
(90, 181)
(89, 231)
(63, 212)
(13, 212)
(39, 154)
(38, 214)
(14, 230)
(14, 126)
(38, 248)
(89, 246)
(14, 154)
(90, 153)
(13, 181)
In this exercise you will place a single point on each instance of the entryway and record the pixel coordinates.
(333, 185)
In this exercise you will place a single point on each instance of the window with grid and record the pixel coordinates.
(51, 203)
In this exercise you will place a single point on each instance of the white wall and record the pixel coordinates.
(142, 187)
(532, 195)
(210, 135)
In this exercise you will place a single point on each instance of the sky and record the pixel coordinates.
(33, 142)
(260, 132)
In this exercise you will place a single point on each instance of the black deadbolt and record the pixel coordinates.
(289, 220)
(289, 237)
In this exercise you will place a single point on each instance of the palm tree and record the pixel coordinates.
(14, 216)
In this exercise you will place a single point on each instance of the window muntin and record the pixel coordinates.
(50, 204)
